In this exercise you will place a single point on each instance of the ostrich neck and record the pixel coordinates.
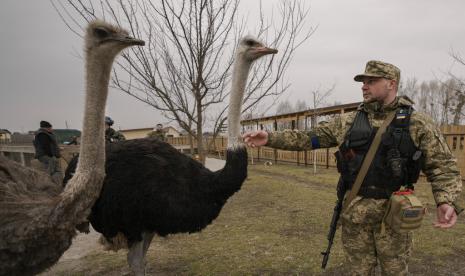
(84, 187)
(93, 130)
(239, 81)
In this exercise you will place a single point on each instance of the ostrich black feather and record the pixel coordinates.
(152, 187)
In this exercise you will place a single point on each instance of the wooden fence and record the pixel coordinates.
(454, 135)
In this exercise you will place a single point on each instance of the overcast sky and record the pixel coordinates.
(41, 77)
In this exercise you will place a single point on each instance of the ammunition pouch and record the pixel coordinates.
(405, 212)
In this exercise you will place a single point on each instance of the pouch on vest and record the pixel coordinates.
(405, 212)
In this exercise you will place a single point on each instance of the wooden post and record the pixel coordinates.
(306, 158)
(23, 160)
(327, 158)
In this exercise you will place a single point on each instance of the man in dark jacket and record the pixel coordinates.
(47, 150)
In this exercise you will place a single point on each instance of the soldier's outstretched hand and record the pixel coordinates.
(255, 138)
(446, 216)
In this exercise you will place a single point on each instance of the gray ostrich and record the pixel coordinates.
(37, 218)
(150, 188)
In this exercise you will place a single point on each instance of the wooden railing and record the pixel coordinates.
(24, 153)
(324, 157)
(454, 135)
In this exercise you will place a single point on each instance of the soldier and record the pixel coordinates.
(158, 133)
(47, 150)
(112, 135)
(410, 143)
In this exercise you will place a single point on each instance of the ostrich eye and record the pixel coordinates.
(101, 33)
(249, 42)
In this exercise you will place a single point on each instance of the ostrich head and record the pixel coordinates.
(106, 40)
(251, 49)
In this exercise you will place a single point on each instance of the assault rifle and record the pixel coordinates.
(333, 226)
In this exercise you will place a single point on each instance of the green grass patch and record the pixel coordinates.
(275, 225)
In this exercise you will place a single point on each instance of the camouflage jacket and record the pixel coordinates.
(440, 166)
(112, 136)
(159, 134)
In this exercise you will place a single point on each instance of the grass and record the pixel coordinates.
(276, 225)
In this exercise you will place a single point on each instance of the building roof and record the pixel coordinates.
(319, 111)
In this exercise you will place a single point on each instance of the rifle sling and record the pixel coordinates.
(368, 159)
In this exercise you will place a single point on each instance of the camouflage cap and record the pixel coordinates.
(379, 69)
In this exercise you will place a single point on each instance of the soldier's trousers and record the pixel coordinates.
(53, 168)
(365, 247)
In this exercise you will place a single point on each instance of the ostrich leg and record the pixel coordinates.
(147, 239)
(136, 254)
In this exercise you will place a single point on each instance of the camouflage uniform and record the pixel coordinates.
(361, 221)
(112, 135)
(159, 134)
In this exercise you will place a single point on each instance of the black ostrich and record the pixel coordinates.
(151, 188)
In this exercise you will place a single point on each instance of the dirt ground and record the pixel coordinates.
(276, 225)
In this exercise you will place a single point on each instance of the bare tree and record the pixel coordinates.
(458, 90)
(444, 100)
(184, 71)
(319, 98)
(300, 105)
(409, 88)
(284, 107)
(441, 99)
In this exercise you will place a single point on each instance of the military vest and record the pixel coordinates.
(397, 161)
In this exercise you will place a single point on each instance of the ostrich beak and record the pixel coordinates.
(133, 41)
(265, 51)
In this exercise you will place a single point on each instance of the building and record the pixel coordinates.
(5, 136)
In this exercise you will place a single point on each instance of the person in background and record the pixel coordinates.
(73, 141)
(111, 135)
(47, 150)
(158, 133)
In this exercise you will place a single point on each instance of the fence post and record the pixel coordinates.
(275, 156)
(23, 160)
(327, 158)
